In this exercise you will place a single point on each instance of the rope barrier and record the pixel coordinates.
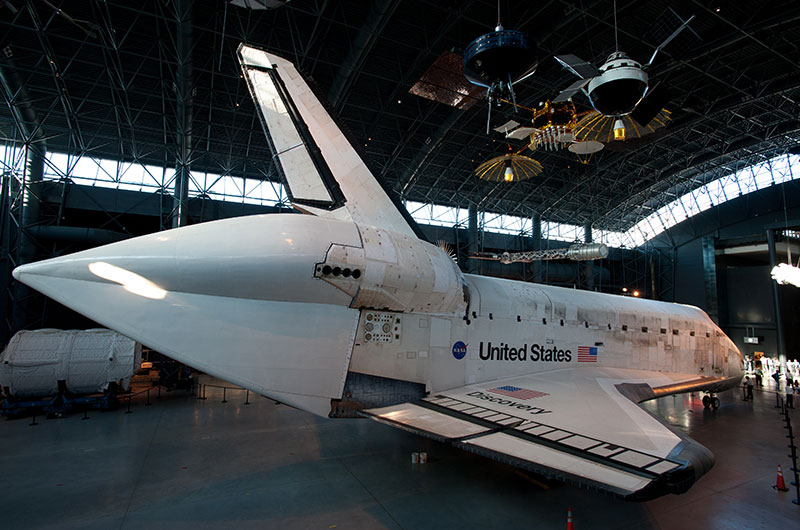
(792, 455)
(130, 395)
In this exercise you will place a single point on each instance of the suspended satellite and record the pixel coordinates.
(618, 86)
(584, 149)
(553, 125)
(497, 61)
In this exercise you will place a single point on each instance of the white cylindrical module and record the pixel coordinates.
(415, 458)
(587, 251)
(87, 360)
(423, 458)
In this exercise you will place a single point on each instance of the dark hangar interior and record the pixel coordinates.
(110, 107)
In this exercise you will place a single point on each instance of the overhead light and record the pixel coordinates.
(635, 293)
(508, 174)
(619, 130)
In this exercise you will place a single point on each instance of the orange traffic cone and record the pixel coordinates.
(780, 486)
(570, 526)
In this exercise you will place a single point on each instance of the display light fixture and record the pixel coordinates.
(595, 126)
(508, 174)
(510, 167)
(619, 130)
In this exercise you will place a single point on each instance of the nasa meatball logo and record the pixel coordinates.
(459, 350)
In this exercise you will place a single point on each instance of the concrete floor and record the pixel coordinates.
(187, 463)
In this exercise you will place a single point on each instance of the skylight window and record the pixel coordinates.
(106, 173)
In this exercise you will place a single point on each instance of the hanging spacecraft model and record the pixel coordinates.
(497, 61)
(618, 86)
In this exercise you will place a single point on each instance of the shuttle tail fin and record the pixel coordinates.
(324, 174)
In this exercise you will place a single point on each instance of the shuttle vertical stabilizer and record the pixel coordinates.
(324, 174)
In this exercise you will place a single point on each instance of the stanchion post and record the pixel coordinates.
(793, 456)
(224, 394)
(85, 413)
(147, 404)
(247, 398)
(202, 392)
(159, 392)
(32, 423)
(796, 482)
(129, 406)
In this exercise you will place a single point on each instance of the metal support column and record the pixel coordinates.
(536, 239)
(183, 98)
(653, 282)
(589, 265)
(710, 278)
(472, 238)
(29, 128)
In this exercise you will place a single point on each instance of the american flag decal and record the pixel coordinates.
(587, 354)
(517, 392)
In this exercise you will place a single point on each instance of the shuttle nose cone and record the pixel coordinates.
(235, 298)
(269, 257)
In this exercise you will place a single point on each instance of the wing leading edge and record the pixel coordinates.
(578, 425)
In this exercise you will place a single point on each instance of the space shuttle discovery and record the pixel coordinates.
(345, 312)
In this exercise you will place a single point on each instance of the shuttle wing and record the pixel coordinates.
(581, 425)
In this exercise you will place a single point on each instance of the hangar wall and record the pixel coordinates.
(743, 286)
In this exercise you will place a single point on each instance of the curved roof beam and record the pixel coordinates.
(639, 200)
(366, 38)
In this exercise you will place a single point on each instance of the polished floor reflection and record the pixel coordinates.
(189, 463)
